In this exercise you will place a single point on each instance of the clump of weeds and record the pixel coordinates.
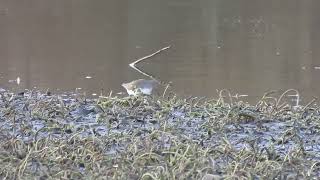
(47, 136)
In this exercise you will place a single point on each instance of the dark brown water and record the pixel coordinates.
(248, 46)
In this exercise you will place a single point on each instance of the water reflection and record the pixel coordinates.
(247, 46)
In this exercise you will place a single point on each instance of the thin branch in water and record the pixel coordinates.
(148, 56)
(133, 65)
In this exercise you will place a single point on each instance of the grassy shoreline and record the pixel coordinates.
(48, 136)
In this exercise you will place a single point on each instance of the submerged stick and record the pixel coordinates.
(133, 65)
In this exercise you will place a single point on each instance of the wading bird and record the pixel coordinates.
(140, 87)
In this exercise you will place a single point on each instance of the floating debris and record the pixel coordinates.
(317, 67)
(17, 81)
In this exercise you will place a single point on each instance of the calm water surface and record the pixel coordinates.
(248, 46)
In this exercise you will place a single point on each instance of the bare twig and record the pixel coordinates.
(148, 56)
(146, 74)
(133, 65)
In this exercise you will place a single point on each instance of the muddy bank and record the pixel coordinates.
(68, 136)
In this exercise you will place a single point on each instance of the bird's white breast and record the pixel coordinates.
(147, 91)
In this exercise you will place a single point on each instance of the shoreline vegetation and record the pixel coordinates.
(45, 136)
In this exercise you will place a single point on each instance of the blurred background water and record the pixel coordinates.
(247, 46)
